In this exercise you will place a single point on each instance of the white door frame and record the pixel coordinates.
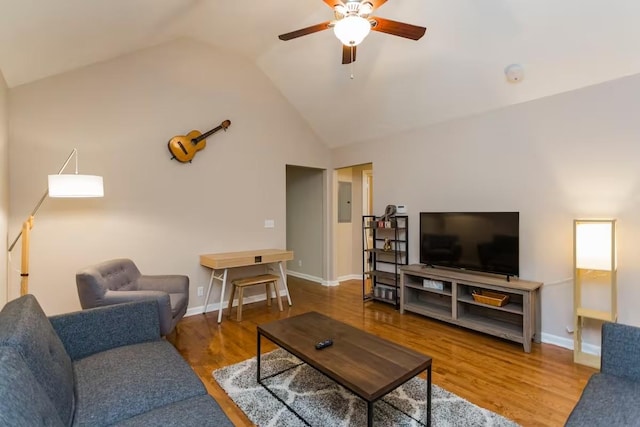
(367, 177)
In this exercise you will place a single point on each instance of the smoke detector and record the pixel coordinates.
(514, 73)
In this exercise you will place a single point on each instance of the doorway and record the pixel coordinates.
(305, 212)
(349, 232)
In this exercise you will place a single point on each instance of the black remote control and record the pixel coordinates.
(324, 344)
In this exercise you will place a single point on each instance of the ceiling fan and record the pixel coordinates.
(353, 22)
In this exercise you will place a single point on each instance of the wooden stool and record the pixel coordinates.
(240, 284)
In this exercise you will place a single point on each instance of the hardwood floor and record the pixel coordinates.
(534, 389)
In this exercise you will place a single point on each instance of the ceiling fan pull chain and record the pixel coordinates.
(351, 64)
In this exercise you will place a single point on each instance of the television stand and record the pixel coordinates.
(446, 295)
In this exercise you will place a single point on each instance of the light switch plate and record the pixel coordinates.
(269, 223)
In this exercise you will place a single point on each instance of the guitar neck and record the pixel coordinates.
(224, 125)
(207, 134)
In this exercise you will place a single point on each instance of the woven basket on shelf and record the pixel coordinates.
(490, 298)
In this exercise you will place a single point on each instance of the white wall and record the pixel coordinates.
(568, 156)
(161, 213)
(4, 185)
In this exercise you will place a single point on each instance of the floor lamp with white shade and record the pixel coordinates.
(60, 185)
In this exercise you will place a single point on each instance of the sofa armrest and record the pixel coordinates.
(162, 298)
(86, 332)
(621, 350)
(172, 284)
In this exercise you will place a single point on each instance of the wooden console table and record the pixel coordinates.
(225, 261)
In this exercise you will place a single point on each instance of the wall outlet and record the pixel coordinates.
(200, 291)
(299, 263)
(269, 223)
(569, 329)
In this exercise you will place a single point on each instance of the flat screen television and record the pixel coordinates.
(480, 241)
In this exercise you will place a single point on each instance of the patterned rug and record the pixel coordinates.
(321, 402)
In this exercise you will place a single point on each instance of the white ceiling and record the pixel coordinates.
(455, 70)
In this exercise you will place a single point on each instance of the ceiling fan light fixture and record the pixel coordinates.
(365, 9)
(352, 30)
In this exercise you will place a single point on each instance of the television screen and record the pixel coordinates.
(482, 241)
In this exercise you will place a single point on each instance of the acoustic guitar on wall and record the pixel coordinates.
(183, 148)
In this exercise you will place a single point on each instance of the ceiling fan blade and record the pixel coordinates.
(396, 28)
(377, 3)
(334, 3)
(304, 31)
(348, 54)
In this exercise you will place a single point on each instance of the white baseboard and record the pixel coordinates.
(316, 279)
(350, 277)
(568, 343)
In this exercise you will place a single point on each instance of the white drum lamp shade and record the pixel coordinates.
(75, 185)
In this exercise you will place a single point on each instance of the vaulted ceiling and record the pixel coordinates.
(455, 70)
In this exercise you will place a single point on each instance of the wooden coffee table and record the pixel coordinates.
(367, 365)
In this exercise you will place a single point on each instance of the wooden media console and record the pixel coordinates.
(447, 295)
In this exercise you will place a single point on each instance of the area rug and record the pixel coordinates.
(321, 402)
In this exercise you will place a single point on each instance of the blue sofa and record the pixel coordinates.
(97, 367)
(612, 396)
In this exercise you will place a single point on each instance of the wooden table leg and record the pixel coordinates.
(239, 308)
(230, 305)
(275, 286)
(267, 289)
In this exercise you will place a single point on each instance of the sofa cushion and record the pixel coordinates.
(123, 382)
(25, 328)
(609, 401)
(621, 350)
(23, 402)
(201, 411)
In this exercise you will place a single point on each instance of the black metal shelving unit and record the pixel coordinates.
(385, 248)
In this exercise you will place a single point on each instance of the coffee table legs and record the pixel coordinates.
(369, 414)
(429, 396)
(258, 358)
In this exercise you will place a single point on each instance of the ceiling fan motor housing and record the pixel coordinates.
(353, 8)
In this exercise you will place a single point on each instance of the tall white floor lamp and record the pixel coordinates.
(60, 185)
